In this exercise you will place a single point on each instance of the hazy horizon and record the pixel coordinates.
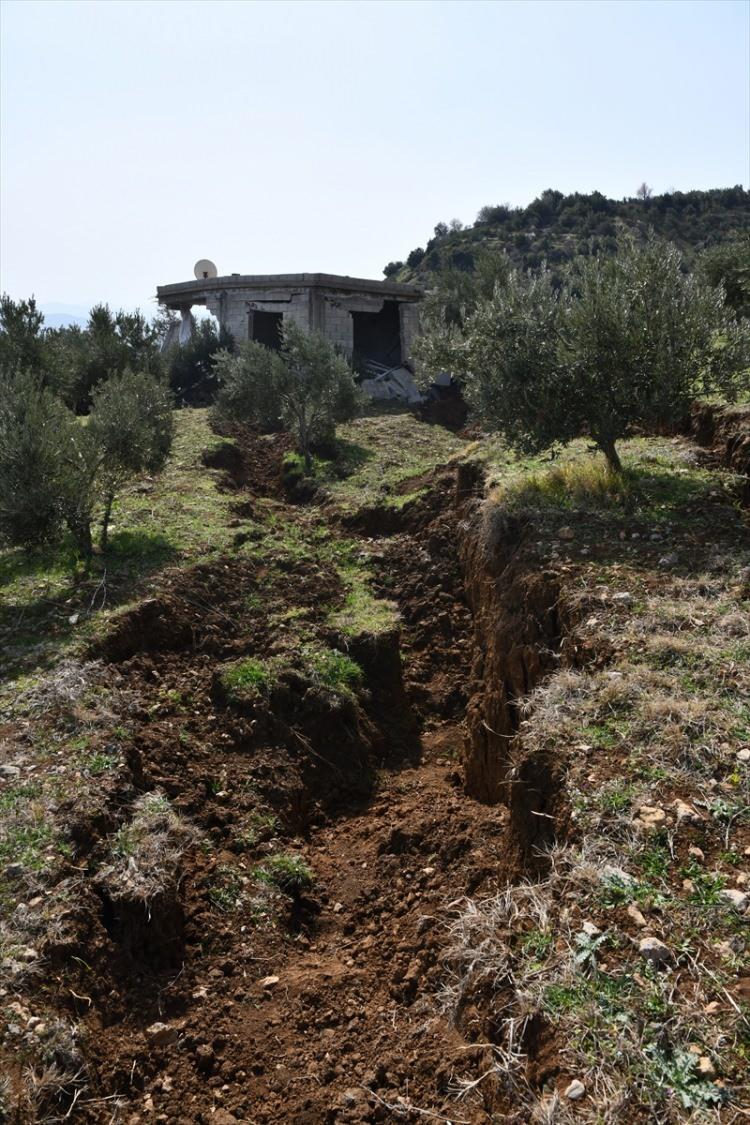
(318, 136)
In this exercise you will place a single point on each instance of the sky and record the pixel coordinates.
(137, 136)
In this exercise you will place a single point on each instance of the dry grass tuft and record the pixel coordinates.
(147, 851)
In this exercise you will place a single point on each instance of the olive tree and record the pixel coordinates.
(306, 384)
(60, 471)
(32, 437)
(627, 340)
(248, 385)
(131, 429)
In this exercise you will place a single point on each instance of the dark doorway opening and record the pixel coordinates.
(377, 336)
(267, 329)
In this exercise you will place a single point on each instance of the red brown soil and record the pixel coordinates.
(351, 1027)
(370, 793)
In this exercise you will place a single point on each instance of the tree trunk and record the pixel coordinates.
(305, 444)
(81, 532)
(613, 458)
(104, 536)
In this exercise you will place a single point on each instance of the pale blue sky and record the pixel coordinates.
(140, 135)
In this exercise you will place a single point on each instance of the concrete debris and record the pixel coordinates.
(391, 384)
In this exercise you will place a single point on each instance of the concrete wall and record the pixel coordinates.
(326, 311)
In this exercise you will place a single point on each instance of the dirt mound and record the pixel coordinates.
(250, 460)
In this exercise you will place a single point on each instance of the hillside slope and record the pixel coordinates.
(557, 227)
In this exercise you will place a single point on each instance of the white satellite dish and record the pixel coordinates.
(204, 268)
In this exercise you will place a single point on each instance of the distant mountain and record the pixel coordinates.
(63, 320)
(557, 227)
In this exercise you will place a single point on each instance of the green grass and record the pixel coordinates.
(333, 669)
(288, 873)
(48, 606)
(387, 450)
(248, 675)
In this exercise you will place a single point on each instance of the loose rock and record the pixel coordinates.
(575, 1090)
(162, 1035)
(655, 951)
(651, 817)
(736, 899)
(686, 813)
(635, 915)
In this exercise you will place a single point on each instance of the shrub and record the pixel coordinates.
(192, 371)
(307, 384)
(248, 385)
(32, 425)
(131, 428)
(21, 340)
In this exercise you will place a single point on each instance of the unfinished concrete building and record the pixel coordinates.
(374, 323)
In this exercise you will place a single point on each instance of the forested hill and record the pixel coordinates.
(556, 227)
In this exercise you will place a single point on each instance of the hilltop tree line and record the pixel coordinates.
(555, 228)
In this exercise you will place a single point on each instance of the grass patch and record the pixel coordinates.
(47, 606)
(248, 676)
(577, 484)
(287, 873)
(333, 669)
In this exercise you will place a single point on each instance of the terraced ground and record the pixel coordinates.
(418, 795)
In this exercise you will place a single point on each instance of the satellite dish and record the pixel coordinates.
(203, 268)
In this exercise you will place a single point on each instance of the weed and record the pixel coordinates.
(578, 484)
(288, 873)
(654, 861)
(678, 1072)
(260, 826)
(616, 798)
(226, 891)
(250, 674)
(537, 944)
(333, 669)
(707, 887)
(146, 853)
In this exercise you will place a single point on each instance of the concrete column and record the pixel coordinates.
(409, 317)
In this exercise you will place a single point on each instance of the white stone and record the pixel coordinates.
(575, 1090)
(736, 899)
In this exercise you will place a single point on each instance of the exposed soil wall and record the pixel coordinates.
(726, 432)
